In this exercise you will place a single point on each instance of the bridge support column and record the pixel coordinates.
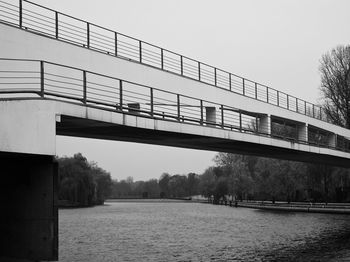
(210, 115)
(332, 140)
(29, 215)
(265, 124)
(303, 132)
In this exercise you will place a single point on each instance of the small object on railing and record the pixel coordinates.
(119, 107)
(134, 108)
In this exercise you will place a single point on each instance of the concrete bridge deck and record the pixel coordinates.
(60, 75)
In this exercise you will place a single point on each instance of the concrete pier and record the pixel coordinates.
(29, 214)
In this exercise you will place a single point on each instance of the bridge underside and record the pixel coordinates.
(79, 127)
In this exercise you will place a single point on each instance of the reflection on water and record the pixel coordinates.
(159, 231)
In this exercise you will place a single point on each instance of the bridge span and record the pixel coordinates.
(60, 75)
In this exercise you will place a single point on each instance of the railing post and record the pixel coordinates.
(256, 124)
(56, 23)
(178, 107)
(20, 13)
(278, 98)
(267, 94)
(313, 110)
(240, 121)
(88, 34)
(256, 91)
(296, 105)
(121, 95)
(162, 58)
(222, 116)
(287, 101)
(152, 103)
(181, 65)
(84, 87)
(116, 43)
(215, 79)
(199, 71)
(243, 86)
(230, 81)
(305, 107)
(42, 79)
(140, 51)
(201, 112)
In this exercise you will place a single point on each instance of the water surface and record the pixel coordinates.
(184, 231)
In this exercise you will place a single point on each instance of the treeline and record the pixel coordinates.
(246, 178)
(82, 183)
(168, 186)
(257, 178)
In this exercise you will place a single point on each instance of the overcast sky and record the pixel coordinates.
(275, 42)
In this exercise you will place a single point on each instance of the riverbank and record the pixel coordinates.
(330, 208)
(149, 200)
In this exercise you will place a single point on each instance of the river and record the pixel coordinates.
(185, 231)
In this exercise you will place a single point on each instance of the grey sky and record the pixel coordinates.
(274, 42)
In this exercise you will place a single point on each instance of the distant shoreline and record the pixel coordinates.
(329, 208)
(149, 200)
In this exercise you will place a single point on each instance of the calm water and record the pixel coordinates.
(199, 232)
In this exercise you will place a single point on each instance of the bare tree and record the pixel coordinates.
(335, 85)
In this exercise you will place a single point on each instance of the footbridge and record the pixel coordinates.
(60, 75)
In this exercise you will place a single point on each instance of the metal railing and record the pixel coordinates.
(36, 78)
(42, 20)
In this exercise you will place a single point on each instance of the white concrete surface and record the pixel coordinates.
(28, 126)
(17, 43)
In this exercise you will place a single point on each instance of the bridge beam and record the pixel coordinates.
(29, 215)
